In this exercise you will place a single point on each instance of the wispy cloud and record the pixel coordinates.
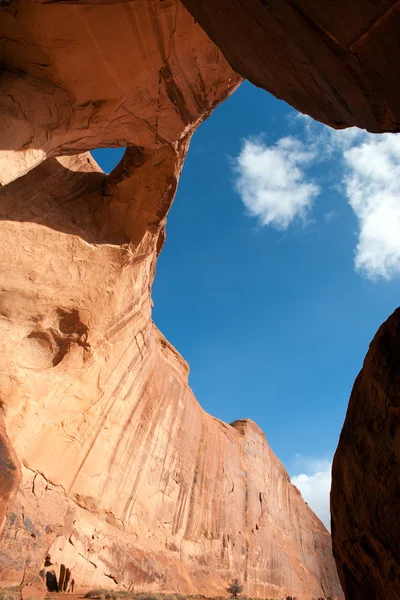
(314, 483)
(275, 187)
(272, 183)
(329, 216)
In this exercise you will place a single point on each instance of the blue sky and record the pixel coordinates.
(280, 264)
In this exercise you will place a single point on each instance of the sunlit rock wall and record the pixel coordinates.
(109, 465)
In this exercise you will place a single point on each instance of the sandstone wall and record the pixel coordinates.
(125, 479)
(108, 464)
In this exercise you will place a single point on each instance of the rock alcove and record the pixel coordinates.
(107, 457)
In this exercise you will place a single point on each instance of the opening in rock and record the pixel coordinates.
(108, 158)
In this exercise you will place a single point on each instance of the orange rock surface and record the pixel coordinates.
(110, 468)
(126, 480)
(81, 75)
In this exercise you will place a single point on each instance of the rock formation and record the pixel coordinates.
(81, 75)
(365, 494)
(332, 60)
(111, 473)
(126, 481)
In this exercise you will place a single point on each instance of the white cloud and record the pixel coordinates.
(314, 485)
(275, 188)
(271, 181)
(372, 183)
(369, 170)
(342, 139)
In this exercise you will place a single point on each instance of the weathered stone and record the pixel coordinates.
(10, 473)
(81, 75)
(33, 588)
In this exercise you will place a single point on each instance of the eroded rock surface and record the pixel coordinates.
(126, 480)
(366, 475)
(81, 75)
(112, 475)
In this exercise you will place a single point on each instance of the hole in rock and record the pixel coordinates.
(47, 561)
(70, 322)
(108, 158)
(51, 581)
(265, 285)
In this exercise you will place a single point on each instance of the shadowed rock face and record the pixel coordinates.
(365, 494)
(10, 473)
(332, 60)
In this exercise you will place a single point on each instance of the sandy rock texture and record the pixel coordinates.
(331, 60)
(126, 481)
(365, 496)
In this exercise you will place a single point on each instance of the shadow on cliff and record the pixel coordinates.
(67, 200)
(72, 195)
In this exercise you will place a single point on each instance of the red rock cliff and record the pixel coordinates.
(109, 465)
(126, 480)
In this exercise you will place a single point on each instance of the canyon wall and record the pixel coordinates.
(125, 479)
(331, 60)
(365, 494)
(108, 464)
(110, 468)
